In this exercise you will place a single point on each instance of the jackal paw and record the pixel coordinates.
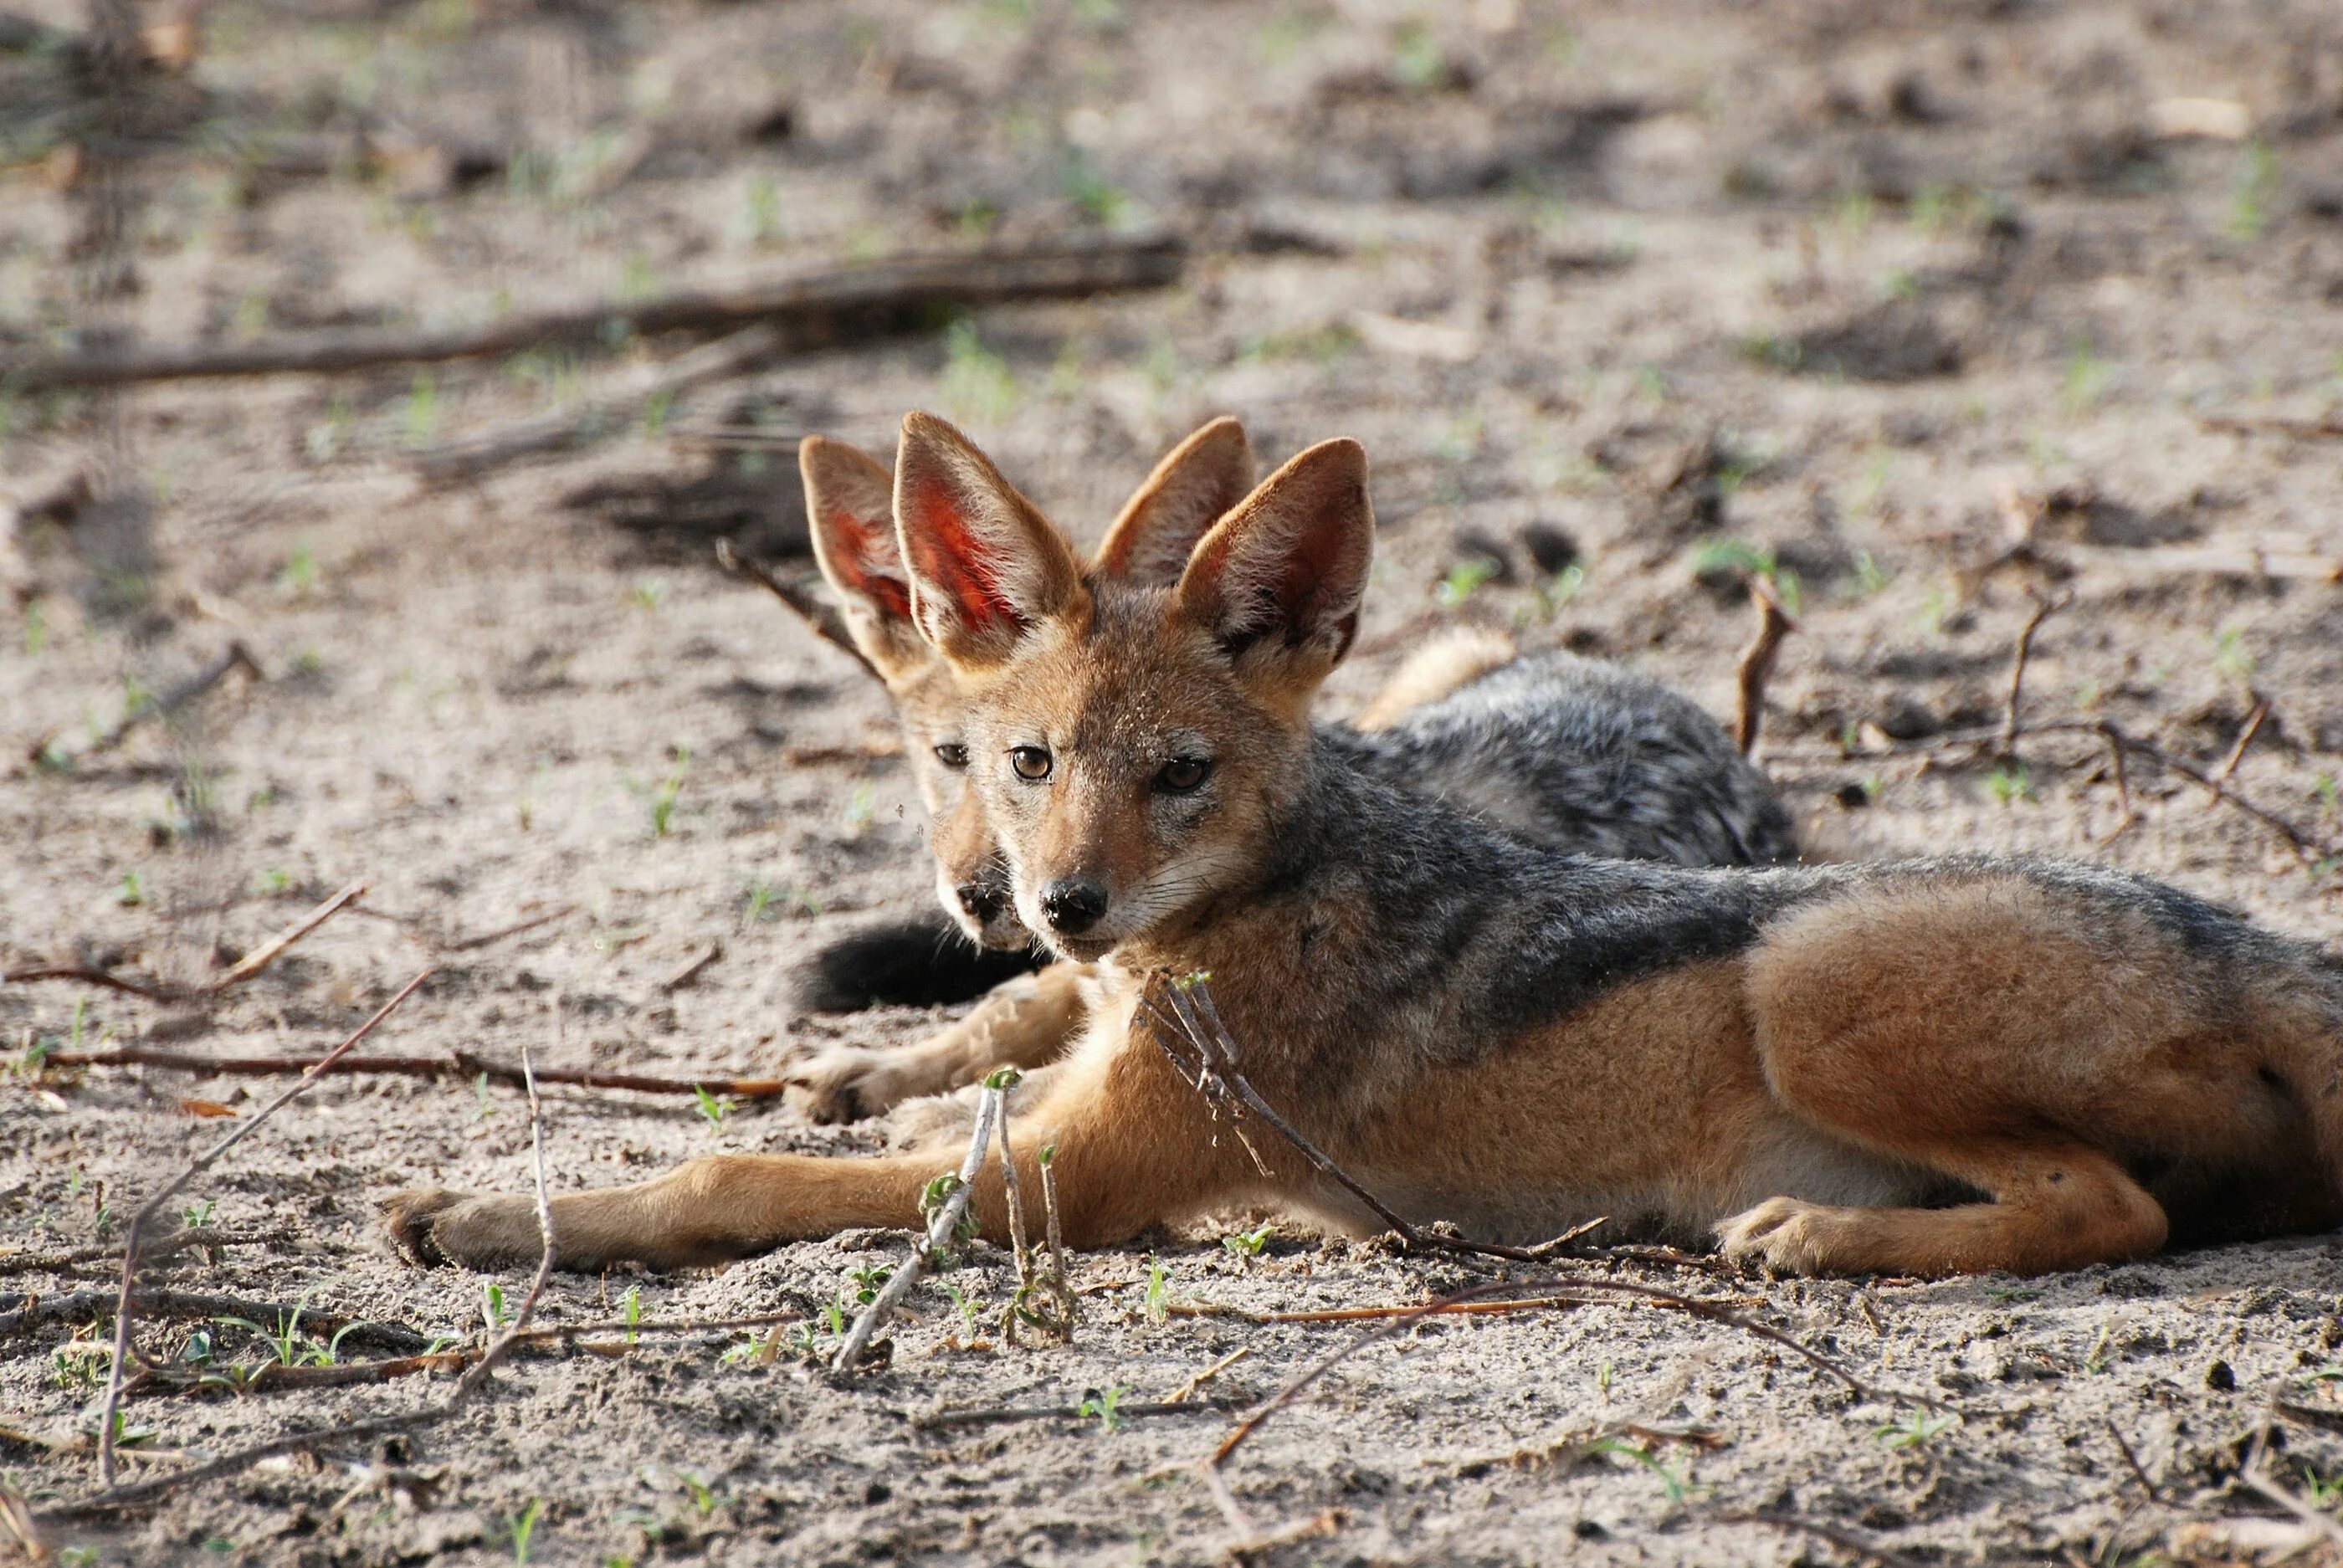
(932, 1121)
(432, 1225)
(1788, 1236)
(835, 1083)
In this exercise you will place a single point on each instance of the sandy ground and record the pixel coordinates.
(1847, 284)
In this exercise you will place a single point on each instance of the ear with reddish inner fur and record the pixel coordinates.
(1279, 579)
(986, 567)
(1196, 482)
(851, 513)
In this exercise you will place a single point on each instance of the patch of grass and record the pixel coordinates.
(713, 1108)
(1098, 199)
(978, 384)
(420, 417)
(671, 788)
(2252, 191)
(649, 593)
(36, 629)
(861, 810)
(523, 1527)
(495, 1309)
(2011, 783)
(1915, 1430)
(1157, 1303)
(2232, 660)
(2090, 375)
(1674, 1480)
(1464, 579)
(131, 893)
(1418, 62)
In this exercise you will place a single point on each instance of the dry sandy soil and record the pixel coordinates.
(1850, 284)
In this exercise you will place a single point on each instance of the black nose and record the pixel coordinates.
(1074, 906)
(984, 901)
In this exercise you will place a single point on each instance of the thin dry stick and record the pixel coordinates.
(1215, 1074)
(111, 1404)
(2255, 1474)
(79, 1306)
(1845, 1540)
(942, 1227)
(2131, 1462)
(252, 964)
(162, 1247)
(2044, 608)
(117, 1498)
(1197, 1379)
(461, 1065)
(1756, 665)
(938, 1419)
(235, 656)
(2252, 727)
(2125, 816)
(838, 304)
(821, 617)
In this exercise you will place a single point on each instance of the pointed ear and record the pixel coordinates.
(851, 513)
(1278, 580)
(1198, 480)
(986, 568)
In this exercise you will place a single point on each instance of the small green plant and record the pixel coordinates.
(630, 1311)
(198, 1215)
(758, 221)
(965, 1302)
(2254, 189)
(2096, 1361)
(1417, 62)
(299, 578)
(1602, 1376)
(664, 798)
(482, 1106)
(649, 593)
(1915, 1430)
(131, 893)
(978, 384)
(36, 629)
(2011, 783)
(421, 418)
(2232, 660)
(1464, 577)
(861, 810)
(273, 880)
(1674, 1480)
(703, 1496)
(1728, 555)
(1097, 198)
(522, 1528)
(1249, 1243)
(1157, 1303)
(1106, 1404)
(713, 1108)
(2324, 791)
(2088, 376)
(495, 1310)
(1935, 605)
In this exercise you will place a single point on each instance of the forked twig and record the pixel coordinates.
(259, 958)
(113, 1499)
(110, 1406)
(2044, 608)
(821, 617)
(1756, 664)
(943, 1223)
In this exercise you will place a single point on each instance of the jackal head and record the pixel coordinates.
(1132, 741)
(849, 505)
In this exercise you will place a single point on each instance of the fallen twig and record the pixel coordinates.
(113, 1499)
(609, 410)
(1756, 664)
(50, 752)
(2245, 733)
(252, 964)
(1195, 1380)
(462, 1065)
(941, 1419)
(2271, 424)
(1838, 1535)
(203, 1236)
(810, 309)
(821, 617)
(2131, 1462)
(944, 1225)
(133, 1235)
(34, 1309)
(1417, 1309)
(2044, 608)
(692, 967)
(2255, 1475)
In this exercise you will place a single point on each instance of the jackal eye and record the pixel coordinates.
(1031, 761)
(952, 755)
(1182, 775)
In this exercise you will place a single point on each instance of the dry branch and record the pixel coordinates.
(259, 958)
(1756, 664)
(50, 752)
(612, 408)
(808, 308)
(113, 1499)
(942, 1227)
(200, 1164)
(2044, 608)
(821, 617)
(459, 1065)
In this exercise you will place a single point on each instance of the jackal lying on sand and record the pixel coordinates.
(1931, 1068)
(1568, 752)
